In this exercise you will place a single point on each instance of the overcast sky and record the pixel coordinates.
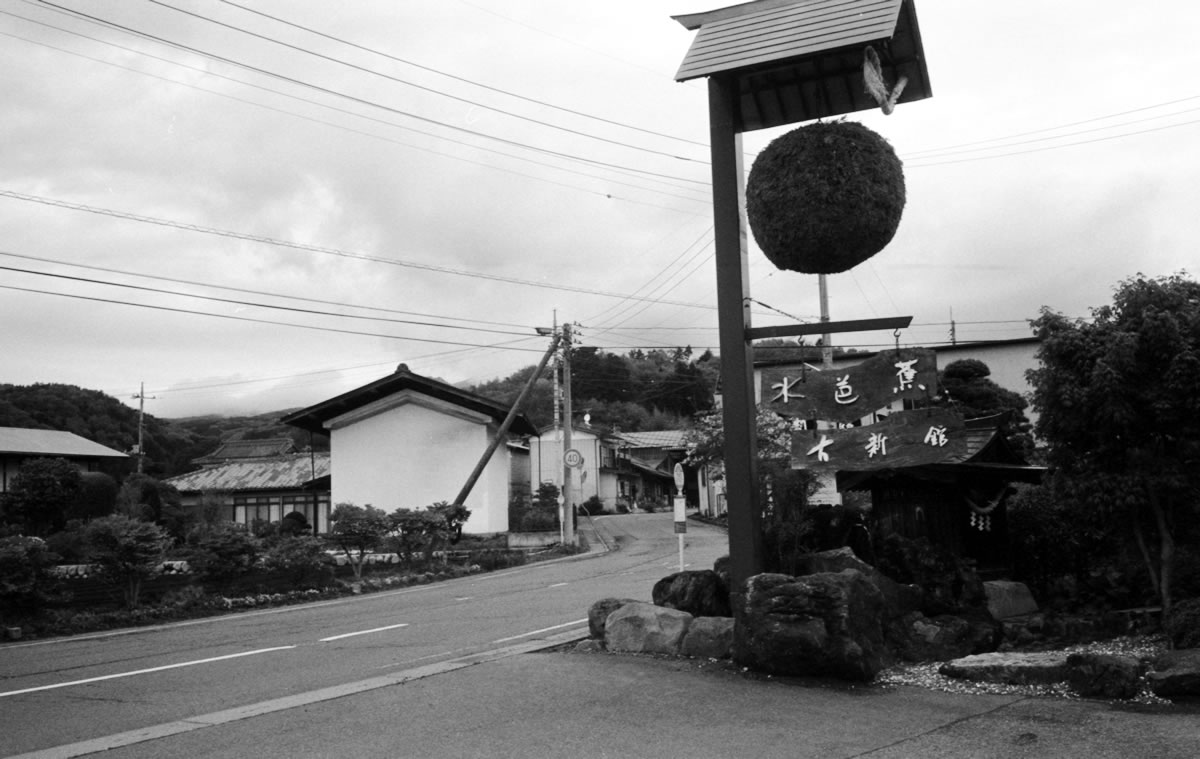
(427, 181)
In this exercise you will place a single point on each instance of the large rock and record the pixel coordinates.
(708, 638)
(1104, 675)
(645, 628)
(900, 599)
(599, 611)
(1041, 668)
(822, 624)
(1007, 599)
(700, 593)
(1176, 675)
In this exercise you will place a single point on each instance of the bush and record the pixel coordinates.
(592, 506)
(127, 550)
(24, 582)
(220, 554)
(301, 559)
(1182, 625)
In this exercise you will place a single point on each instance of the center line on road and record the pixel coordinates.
(362, 632)
(557, 585)
(144, 671)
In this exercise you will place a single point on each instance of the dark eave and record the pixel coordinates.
(315, 417)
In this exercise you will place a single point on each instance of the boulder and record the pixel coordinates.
(916, 637)
(1176, 675)
(822, 624)
(645, 628)
(1041, 668)
(708, 638)
(900, 599)
(1007, 599)
(700, 593)
(1104, 675)
(599, 611)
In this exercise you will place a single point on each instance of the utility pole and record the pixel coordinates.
(568, 491)
(141, 399)
(827, 338)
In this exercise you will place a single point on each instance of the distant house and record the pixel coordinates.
(247, 450)
(18, 444)
(620, 468)
(250, 489)
(407, 441)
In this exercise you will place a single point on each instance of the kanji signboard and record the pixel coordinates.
(845, 395)
(906, 438)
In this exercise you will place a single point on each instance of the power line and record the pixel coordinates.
(421, 87)
(472, 82)
(363, 101)
(177, 280)
(214, 299)
(256, 321)
(327, 251)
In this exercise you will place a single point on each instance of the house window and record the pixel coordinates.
(300, 503)
(249, 509)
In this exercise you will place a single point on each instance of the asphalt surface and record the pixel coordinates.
(460, 669)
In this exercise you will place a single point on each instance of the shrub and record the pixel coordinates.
(1182, 625)
(301, 559)
(127, 550)
(24, 582)
(221, 553)
(592, 506)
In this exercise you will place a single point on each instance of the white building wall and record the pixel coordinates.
(409, 453)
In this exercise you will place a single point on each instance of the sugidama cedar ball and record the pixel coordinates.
(825, 197)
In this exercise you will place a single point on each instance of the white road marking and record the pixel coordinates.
(556, 585)
(362, 632)
(544, 629)
(145, 671)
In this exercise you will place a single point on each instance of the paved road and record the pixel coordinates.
(77, 689)
(465, 678)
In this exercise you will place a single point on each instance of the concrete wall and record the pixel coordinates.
(411, 451)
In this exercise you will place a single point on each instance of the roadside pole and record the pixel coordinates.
(680, 511)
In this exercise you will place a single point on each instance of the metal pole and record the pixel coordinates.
(733, 315)
(826, 338)
(568, 471)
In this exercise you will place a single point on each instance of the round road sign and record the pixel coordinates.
(573, 458)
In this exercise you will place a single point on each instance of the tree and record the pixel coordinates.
(25, 582)
(97, 496)
(143, 497)
(221, 553)
(966, 386)
(42, 495)
(1119, 405)
(358, 531)
(127, 550)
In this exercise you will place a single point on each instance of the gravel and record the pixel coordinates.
(926, 675)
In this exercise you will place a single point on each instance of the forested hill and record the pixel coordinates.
(170, 444)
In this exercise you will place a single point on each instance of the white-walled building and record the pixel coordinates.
(407, 441)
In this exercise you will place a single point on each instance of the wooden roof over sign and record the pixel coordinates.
(798, 60)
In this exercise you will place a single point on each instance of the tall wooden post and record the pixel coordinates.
(733, 315)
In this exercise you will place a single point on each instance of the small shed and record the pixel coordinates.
(958, 503)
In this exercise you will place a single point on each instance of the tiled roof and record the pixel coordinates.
(288, 472)
(27, 442)
(249, 449)
(657, 439)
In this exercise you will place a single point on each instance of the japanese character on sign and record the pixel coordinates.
(845, 393)
(876, 445)
(906, 373)
(936, 436)
(785, 390)
(819, 449)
